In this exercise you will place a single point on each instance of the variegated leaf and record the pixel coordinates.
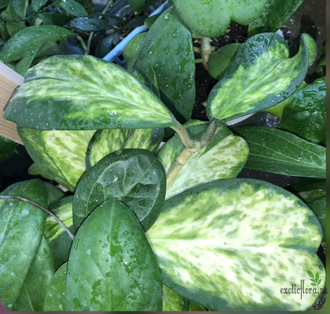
(105, 142)
(173, 301)
(234, 244)
(60, 155)
(64, 93)
(261, 76)
(223, 158)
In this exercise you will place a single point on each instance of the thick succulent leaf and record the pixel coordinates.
(132, 49)
(105, 142)
(21, 233)
(233, 244)
(220, 60)
(211, 18)
(277, 151)
(275, 14)
(37, 280)
(319, 208)
(53, 193)
(261, 76)
(173, 301)
(61, 155)
(30, 39)
(92, 24)
(74, 8)
(304, 115)
(7, 148)
(59, 241)
(133, 176)
(168, 48)
(55, 299)
(64, 93)
(136, 4)
(223, 158)
(112, 255)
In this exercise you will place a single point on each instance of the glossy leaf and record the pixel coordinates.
(59, 241)
(105, 142)
(304, 115)
(55, 299)
(93, 24)
(223, 158)
(112, 254)
(53, 18)
(319, 208)
(37, 4)
(277, 151)
(134, 177)
(16, 10)
(309, 190)
(233, 244)
(22, 248)
(49, 48)
(74, 8)
(168, 49)
(135, 22)
(151, 20)
(275, 14)
(261, 76)
(7, 148)
(132, 49)
(211, 18)
(30, 39)
(173, 301)
(104, 46)
(53, 193)
(60, 155)
(23, 65)
(220, 60)
(64, 93)
(136, 4)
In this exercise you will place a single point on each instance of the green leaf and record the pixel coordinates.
(54, 19)
(53, 193)
(132, 49)
(7, 148)
(116, 263)
(74, 8)
(27, 41)
(319, 208)
(173, 301)
(233, 244)
(59, 241)
(319, 282)
(60, 155)
(310, 274)
(260, 77)
(309, 190)
(211, 18)
(22, 248)
(168, 49)
(37, 4)
(134, 177)
(196, 307)
(136, 4)
(55, 299)
(135, 22)
(304, 115)
(223, 158)
(313, 284)
(15, 11)
(151, 20)
(277, 151)
(64, 93)
(312, 195)
(23, 66)
(220, 60)
(275, 14)
(105, 142)
(87, 24)
(49, 48)
(4, 3)
(317, 276)
(104, 46)
(2, 42)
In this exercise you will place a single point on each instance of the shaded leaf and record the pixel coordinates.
(54, 19)
(168, 49)
(27, 41)
(136, 4)
(64, 93)
(115, 259)
(7, 148)
(132, 49)
(74, 8)
(134, 177)
(304, 115)
(60, 155)
(105, 142)
(193, 306)
(16, 10)
(49, 48)
(23, 65)
(151, 20)
(87, 24)
(53, 193)
(263, 70)
(173, 301)
(233, 244)
(277, 151)
(37, 4)
(104, 46)
(319, 207)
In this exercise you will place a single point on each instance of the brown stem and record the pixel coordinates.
(206, 50)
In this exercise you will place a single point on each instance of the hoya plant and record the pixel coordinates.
(148, 226)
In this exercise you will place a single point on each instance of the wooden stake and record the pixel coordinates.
(9, 80)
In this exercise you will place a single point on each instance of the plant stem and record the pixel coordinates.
(185, 138)
(178, 164)
(208, 137)
(206, 50)
(82, 44)
(42, 208)
(58, 9)
(199, 60)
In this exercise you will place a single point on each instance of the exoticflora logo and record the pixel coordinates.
(301, 289)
